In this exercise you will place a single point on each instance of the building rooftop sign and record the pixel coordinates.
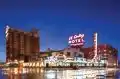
(76, 40)
(6, 31)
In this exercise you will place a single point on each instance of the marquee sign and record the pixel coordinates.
(76, 40)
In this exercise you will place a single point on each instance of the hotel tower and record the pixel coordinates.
(20, 45)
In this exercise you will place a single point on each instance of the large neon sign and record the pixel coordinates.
(76, 40)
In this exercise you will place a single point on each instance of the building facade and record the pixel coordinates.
(21, 45)
(73, 52)
(106, 56)
(104, 52)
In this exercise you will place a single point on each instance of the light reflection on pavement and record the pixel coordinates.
(38, 73)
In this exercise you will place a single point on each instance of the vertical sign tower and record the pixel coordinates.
(95, 46)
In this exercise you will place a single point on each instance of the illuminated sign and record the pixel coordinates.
(76, 40)
(7, 29)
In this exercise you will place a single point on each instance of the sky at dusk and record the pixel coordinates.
(58, 19)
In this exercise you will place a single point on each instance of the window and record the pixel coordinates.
(61, 52)
(68, 53)
(79, 55)
(75, 54)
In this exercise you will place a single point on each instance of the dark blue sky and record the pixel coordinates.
(58, 19)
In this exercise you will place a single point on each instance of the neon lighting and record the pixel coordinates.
(76, 40)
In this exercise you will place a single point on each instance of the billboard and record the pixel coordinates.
(76, 40)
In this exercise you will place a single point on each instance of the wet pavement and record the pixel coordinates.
(59, 73)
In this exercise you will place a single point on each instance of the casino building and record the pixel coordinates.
(20, 45)
(107, 55)
(105, 52)
(96, 55)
